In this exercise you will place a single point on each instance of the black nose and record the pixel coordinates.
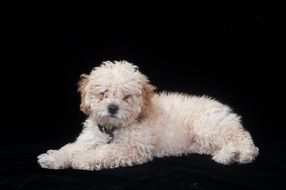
(112, 108)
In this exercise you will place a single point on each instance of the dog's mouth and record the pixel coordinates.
(110, 119)
(114, 116)
(105, 115)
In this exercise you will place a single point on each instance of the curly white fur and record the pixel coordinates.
(147, 125)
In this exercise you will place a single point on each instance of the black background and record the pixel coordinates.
(233, 53)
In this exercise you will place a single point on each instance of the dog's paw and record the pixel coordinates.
(226, 155)
(86, 161)
(53, 160)
(81, 165)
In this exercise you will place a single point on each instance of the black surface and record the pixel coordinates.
(231, 53)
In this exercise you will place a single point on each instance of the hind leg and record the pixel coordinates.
(247, 153)
(219, 133)
(229, 154)
(239, 148)
(226, 155)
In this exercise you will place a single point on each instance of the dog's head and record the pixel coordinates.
(116, 94)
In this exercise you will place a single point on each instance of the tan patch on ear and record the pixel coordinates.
(83, 91)
(147, 94)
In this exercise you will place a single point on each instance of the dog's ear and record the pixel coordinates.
(82, 88)
(147, 94)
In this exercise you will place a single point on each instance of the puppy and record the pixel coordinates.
(128, 124)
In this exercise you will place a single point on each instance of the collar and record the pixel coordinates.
(108, 131)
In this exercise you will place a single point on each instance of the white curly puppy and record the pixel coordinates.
(128, 124)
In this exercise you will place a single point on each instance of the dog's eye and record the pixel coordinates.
(103, 93)
(125, 98)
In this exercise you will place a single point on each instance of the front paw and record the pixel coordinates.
(86, 161)
(81, 165)
(53, 160)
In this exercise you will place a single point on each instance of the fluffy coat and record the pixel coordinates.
(147, 125)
